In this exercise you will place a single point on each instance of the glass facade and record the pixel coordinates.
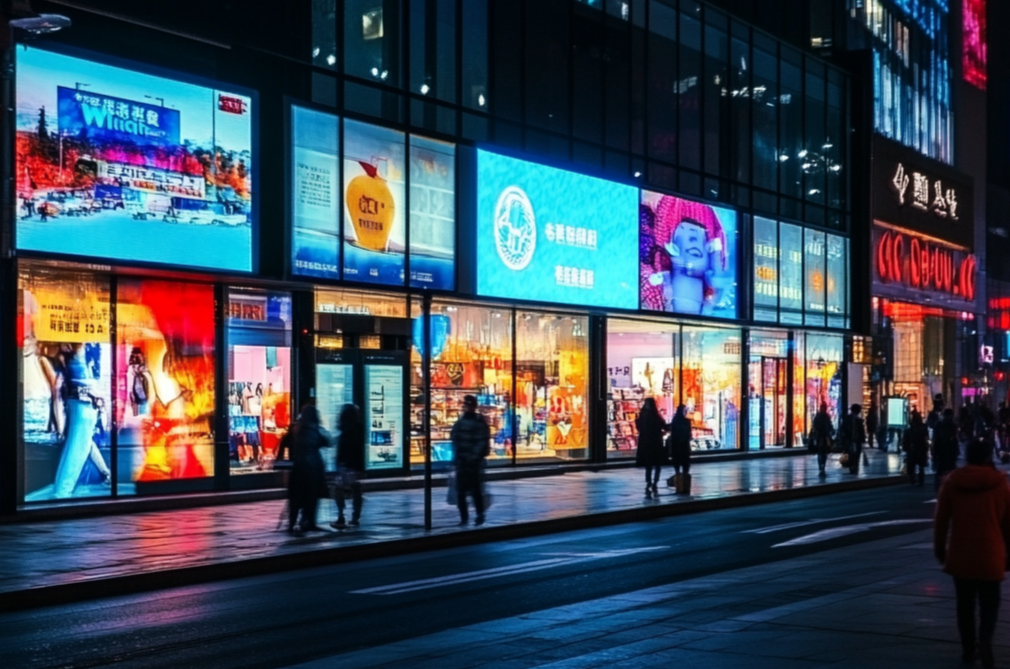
(711, 376)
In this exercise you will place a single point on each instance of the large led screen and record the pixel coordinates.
(120, 165)
(688, 257)
(370, 164)
(554, 236)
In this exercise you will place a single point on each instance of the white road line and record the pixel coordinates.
(812, 521)
(835, 532)
(523, 567)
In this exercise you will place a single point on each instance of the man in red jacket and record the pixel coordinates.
(973, 508)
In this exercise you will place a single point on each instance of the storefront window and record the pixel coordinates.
(66, 372)
(643, 360)
(552, 385)
(471, 353)
(824, 375)
(766, 269)
(335, 301)
(711, 386)
(259, 377)
(165, 383)
(814, 268)
(800, 429)
(791, 274)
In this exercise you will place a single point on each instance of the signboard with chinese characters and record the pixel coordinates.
(92, 115)
(551, 235)
(925, 196)
(907, 266)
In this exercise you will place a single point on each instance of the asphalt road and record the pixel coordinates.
(280, 620)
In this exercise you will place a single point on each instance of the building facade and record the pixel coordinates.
(560, 207)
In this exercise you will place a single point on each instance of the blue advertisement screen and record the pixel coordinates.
(550, 235)
(315, 197)
(121, 165)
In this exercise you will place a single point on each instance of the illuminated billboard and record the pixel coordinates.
(125, 166)
(974, 56)
(551, 235)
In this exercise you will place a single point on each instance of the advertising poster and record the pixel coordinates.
(766, 269)
(816, 279)
(315, 197)
(687, 257)
(655, 376)
(837, 281)
(432, 214)
(66, 376)
(384, 416)
(120, 165)
(790, 274)
(165, 381)
(374, 204)
(551, 235)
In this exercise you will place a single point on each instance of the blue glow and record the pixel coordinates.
(550, 235)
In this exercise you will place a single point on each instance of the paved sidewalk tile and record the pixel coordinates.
(870, 618)
(37, 554)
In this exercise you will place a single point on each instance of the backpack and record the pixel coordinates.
(140, 389)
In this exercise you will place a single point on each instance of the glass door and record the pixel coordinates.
(334, 389)
(773, 405)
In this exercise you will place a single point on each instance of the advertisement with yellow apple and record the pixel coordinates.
(374, 204)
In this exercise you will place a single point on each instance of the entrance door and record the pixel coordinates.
(773, 405)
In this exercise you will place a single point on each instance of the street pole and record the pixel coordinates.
(426, 423)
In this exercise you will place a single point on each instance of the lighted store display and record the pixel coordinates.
(711, 386)
(824, 375)
(66, 370)
(383, 416)
(554, 236)
(165, 336)
(116, 164)
(688, 261)
(259, 377)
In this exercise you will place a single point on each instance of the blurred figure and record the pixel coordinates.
(852, 435)
(872, 423)
(945, 447)
(679, 442)
(350, 464)
(822, 432)
(650, 454)
(970, 534)
(916, 447)
(471, 444)
(308, 474)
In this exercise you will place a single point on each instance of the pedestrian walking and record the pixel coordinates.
(350, 465)
(822, 432)
(872, 424)
(852, 435)
(651, 453)
(945, 447)
(679, 447)
(916, 447)
(471, 444)
(308, 476)
(970, 533)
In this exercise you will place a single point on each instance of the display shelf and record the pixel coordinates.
(623, 408)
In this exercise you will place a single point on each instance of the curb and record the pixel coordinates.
(66, 593)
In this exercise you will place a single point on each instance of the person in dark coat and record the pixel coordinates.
(970, 535)
(679, 442)
(945, 447)
(852, 435)
(471, 444)
(350, 464)
(822, 432)
(872, 423)
(308, 474)
(916, 447)
(651, 453)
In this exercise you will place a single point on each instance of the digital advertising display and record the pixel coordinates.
(315, 197)
(116, 164)
(790, 274)
(687, 257)
(766, 269)
(361, 177)
(551, 235)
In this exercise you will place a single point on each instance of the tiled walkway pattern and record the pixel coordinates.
(879, 605)
(44, 553)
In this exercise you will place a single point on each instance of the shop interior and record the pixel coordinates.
(768, 392)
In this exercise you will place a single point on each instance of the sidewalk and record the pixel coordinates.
(879, 605)
(52, 561)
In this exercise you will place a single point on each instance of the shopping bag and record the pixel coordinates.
(682, 484)
(450, 489)
(843, 459)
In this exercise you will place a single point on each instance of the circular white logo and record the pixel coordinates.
(515, 228)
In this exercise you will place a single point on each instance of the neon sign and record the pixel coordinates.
(973, 57)
(922, 264)
(927, 195)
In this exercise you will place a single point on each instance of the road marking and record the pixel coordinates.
(521, 568)
(845, 530)
(813, 521)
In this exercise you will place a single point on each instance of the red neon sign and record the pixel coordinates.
(921, 264)
(973, 59)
